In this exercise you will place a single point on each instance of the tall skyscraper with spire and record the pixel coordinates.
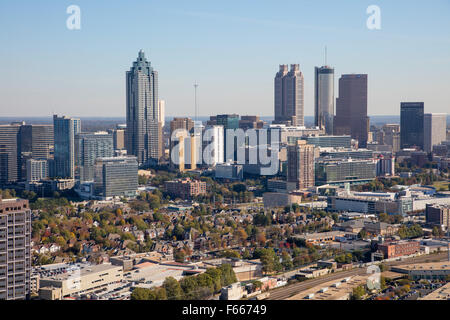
(144, 133)
(324, 98)
(289, 99)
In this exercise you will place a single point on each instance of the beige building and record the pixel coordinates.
(79, 281)
(300, 164)
(433, 270)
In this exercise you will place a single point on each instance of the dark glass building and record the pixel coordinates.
(411, 124)
(351, 108)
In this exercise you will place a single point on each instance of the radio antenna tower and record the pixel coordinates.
(195, 99)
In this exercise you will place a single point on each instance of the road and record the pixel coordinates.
(290, 290)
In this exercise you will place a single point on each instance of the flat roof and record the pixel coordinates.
(443, 265)
(443, 293)
(84, 270)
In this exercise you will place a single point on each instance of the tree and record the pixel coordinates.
(179, 255)
(189, 286)
(269, 261)
(286, 261)
(358, 292)
(173, 289)
(140, 294)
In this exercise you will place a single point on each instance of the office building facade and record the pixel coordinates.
(351, 108)
(289, 96)
(144, 132)
(324, 98)
(64, 131)
(89, 147)
(116, 177)
(9, 153)
(339, 172)
(411, 124)
(434, 130)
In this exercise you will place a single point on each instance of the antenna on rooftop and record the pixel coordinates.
(195, 99)
(325, 55)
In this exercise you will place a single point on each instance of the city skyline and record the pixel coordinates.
(207, 55)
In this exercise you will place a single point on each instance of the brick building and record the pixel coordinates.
(398, 249)
(185, 188)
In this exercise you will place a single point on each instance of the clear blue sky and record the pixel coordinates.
(231, 48)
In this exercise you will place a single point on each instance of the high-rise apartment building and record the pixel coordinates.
(144, 132)
(15, 256)
(324, 98)
(300, 164)
(434, 130)
(289, 96)
(116, 177)
(89, 147)
(36, 170)
(351, 108)
(411, 124)
(64, 131)
(9, 153)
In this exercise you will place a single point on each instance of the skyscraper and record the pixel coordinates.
(181, 141)
(15, 256)
(9, 153)
(289, 99)
(89, 147)
(324, 98)
(64, 131)
(36, 142)
(144, 133)
(300, 164)
(37, 139)
(411, 124)
(434, 130)
(351, 108)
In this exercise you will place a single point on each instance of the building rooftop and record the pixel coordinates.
(443, 293)
(83, 269)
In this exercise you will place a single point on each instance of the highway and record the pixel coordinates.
(293, 289)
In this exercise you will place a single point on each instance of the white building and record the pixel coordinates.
(36, 170)
(434, 130)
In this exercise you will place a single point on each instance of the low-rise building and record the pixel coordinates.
(78, 281)
(232, 292)
(430, 271)
(185, 188)
(398, 249)
(275, 199)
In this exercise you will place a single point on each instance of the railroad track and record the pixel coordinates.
(293, 289)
